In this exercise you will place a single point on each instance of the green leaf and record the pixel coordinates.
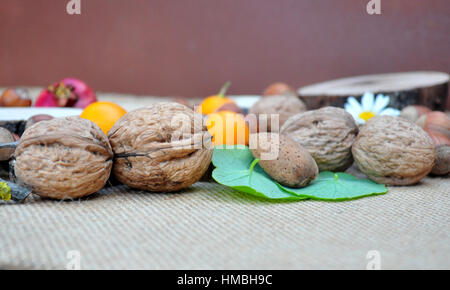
(237, 168)
(5, 191)
(338, 186)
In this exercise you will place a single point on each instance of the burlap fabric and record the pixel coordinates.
(209, 226)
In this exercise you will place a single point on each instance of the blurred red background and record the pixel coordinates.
(191, 47)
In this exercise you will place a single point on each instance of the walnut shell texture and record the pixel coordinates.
(328, 135)
(160, 148)
(393, 151)
(284, 105)
(292, 165)
(63, 158)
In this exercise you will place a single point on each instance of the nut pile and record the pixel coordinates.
(166, 147)
(390, 150)
(163, 147)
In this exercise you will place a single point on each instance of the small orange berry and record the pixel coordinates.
(227, 128)
(103, 114)
(212, 103)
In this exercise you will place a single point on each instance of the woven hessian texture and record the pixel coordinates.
(210, 226)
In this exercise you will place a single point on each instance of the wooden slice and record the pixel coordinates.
(408, 88)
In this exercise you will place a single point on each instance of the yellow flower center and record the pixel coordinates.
(366, 115)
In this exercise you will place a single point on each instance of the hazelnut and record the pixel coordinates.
(327, 134)
(393, 151)
(284, 106)
(279, 88)
(413, 113)
(163, 147)
(63, 158)
(287, 161)
(15, 98)
(442, 162)
(437, 125)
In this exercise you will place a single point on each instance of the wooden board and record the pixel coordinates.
(422, 87)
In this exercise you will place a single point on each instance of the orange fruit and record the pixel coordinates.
(103, 114)
(212, 103)
(227, 128)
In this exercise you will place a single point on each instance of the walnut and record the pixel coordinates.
(283, 105)
(163, 147)
(327, 134)
(393, 151)
(283, 159)
(63, 158)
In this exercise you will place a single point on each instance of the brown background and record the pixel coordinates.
(191, 47)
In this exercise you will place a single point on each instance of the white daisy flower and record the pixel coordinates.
(369, 107)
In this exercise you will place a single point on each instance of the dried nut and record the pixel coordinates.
(283, 159)
(279, 88)
(37, 118)
(327, 134)
(15, 98)
(283, 106)
(413, 113)
(437, 125)
(163, 147)
(442, 162)
(6, 137)
(393, 151)
(63, 158)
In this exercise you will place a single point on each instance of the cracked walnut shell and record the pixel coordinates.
(63, 158)
(328, 135)
(393, 151)
(161, 148)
